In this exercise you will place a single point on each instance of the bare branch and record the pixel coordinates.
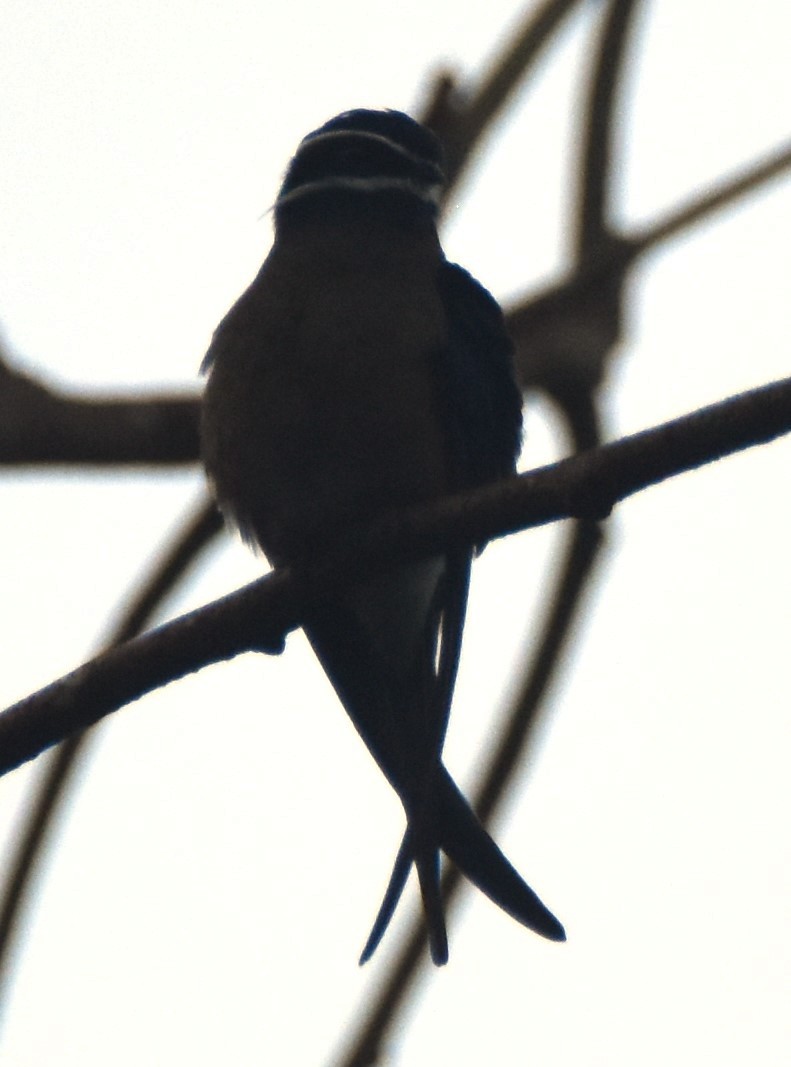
(258, 616)
(460, 116)
(722, 194)
(41, 425)
(564, 333)
(592, 223)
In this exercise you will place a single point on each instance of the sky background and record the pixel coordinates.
(221, 862)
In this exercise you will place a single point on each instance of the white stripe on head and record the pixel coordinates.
(368, 135)
(429, 194)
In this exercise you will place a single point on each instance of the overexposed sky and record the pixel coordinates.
(225, 854)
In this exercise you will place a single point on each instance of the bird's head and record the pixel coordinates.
(364, 162)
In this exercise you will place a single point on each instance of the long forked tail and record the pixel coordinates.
(463, 838)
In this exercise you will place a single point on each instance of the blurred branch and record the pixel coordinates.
(42, 425)
(58, 774)
(722, 194)
(599, 124)
(460, 116)
(557, 330)
(259, 616)
(201, 527)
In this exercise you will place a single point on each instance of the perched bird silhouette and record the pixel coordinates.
(361, 371)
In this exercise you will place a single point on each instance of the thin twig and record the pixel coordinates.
(722, 194)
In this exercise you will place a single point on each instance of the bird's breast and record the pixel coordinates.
(324, 405)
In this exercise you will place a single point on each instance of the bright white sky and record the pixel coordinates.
(221, 863)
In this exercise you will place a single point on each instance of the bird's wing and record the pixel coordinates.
(482, 399)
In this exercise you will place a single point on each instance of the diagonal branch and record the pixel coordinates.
(461, 117)
(59, 773)
(259, 616)
(722, 194)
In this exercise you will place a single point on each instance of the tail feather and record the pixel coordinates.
(427, 864)
(428, 871)
(477, 856)
(395, 887)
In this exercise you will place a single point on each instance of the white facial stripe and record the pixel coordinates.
(367, 135)
(429, 194)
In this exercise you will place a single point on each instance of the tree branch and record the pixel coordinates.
(558, 329)
(259, 616)
(593, 214)
(41, 425)
(722, 193)
(460, 116)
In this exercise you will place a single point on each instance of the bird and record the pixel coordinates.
(361, 372)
